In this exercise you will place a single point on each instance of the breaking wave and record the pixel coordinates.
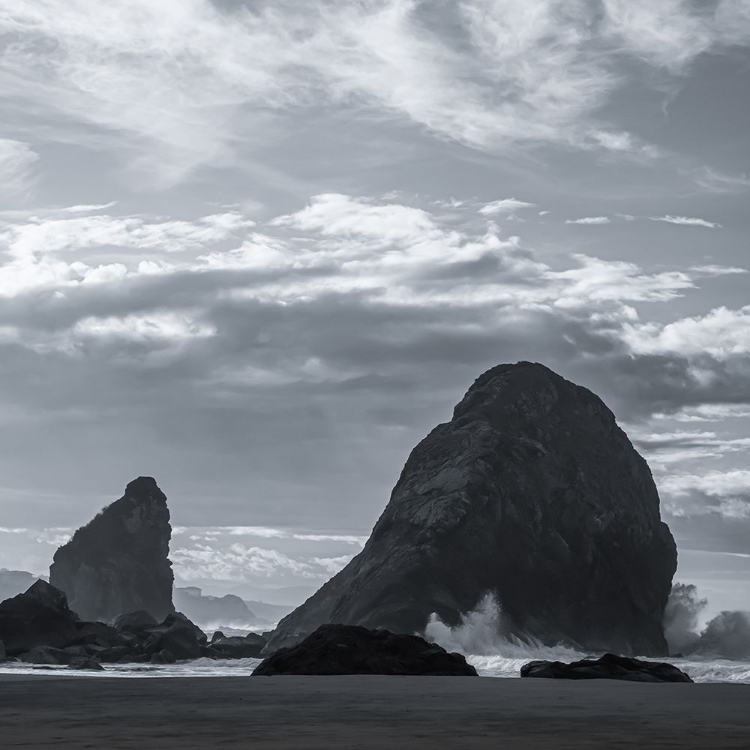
(481, 639)
(682, 616)
(720, 653)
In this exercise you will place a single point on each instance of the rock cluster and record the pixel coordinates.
(532, 494)
(347, 649)
(608, 667)
(38, 627)
(119, 562)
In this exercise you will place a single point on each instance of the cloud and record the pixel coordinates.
(715, 181)
(708, 413)
(725, 494)
(686, 221)
(85, 209)
(715, 270)
(172, 87)
(668, 34)
(722, 333)
(261, 350)
(333, 565)
(668, 448)
(589, 220)
(503, 206)
(17, 161)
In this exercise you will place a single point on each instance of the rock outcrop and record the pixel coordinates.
(119, 562)
(38, 617)
(531, 494)
(608, 667)
(347, 649)
(14, 582)
(39, 628)
(249, 646)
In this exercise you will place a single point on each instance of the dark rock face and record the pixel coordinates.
(531, 493)
(608, 667)
(347, 649)
(119, 562)
(38, 617)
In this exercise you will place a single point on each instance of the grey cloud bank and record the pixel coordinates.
(258, 250)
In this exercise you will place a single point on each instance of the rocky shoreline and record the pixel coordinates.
(38, 627)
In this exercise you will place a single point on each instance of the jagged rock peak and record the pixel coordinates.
(531, 495)
(119, 562)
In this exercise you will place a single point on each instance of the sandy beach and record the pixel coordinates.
(368, 712)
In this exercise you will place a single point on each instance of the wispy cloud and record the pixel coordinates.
(17, 161)
(715, 181)
(686, 221)
(589, 220)
(503, 206)
(177, 85)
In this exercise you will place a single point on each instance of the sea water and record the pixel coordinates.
(498, 665)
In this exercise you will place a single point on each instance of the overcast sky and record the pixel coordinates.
(258, 250)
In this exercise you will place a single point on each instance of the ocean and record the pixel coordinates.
(498, 665)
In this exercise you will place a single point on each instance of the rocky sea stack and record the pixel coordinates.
(119, 562)
(531, 494)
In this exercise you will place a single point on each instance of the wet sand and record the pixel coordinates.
(332, 713)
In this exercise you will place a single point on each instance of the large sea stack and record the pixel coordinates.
(119, 562)
(531, 494)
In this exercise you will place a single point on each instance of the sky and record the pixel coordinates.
(257, 250)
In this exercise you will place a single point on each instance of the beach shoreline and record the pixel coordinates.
(364, 712)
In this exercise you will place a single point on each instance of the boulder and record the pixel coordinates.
(178, 635)
(608, 667)
(90, 665)
(95, 634)
(38, 617)
(3, 656)
(348, 649)
(532, 495)
(117, 655)
(238, 647)
(216, 636)
(46, 655)
(119, 562)
(135, 622)
(163, 657)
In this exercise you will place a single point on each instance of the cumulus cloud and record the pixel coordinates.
(265, 348)
(722, 333)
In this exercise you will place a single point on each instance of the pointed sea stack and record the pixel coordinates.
(531, 493)
(119, 562)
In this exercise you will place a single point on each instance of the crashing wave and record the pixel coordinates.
(481, 637)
